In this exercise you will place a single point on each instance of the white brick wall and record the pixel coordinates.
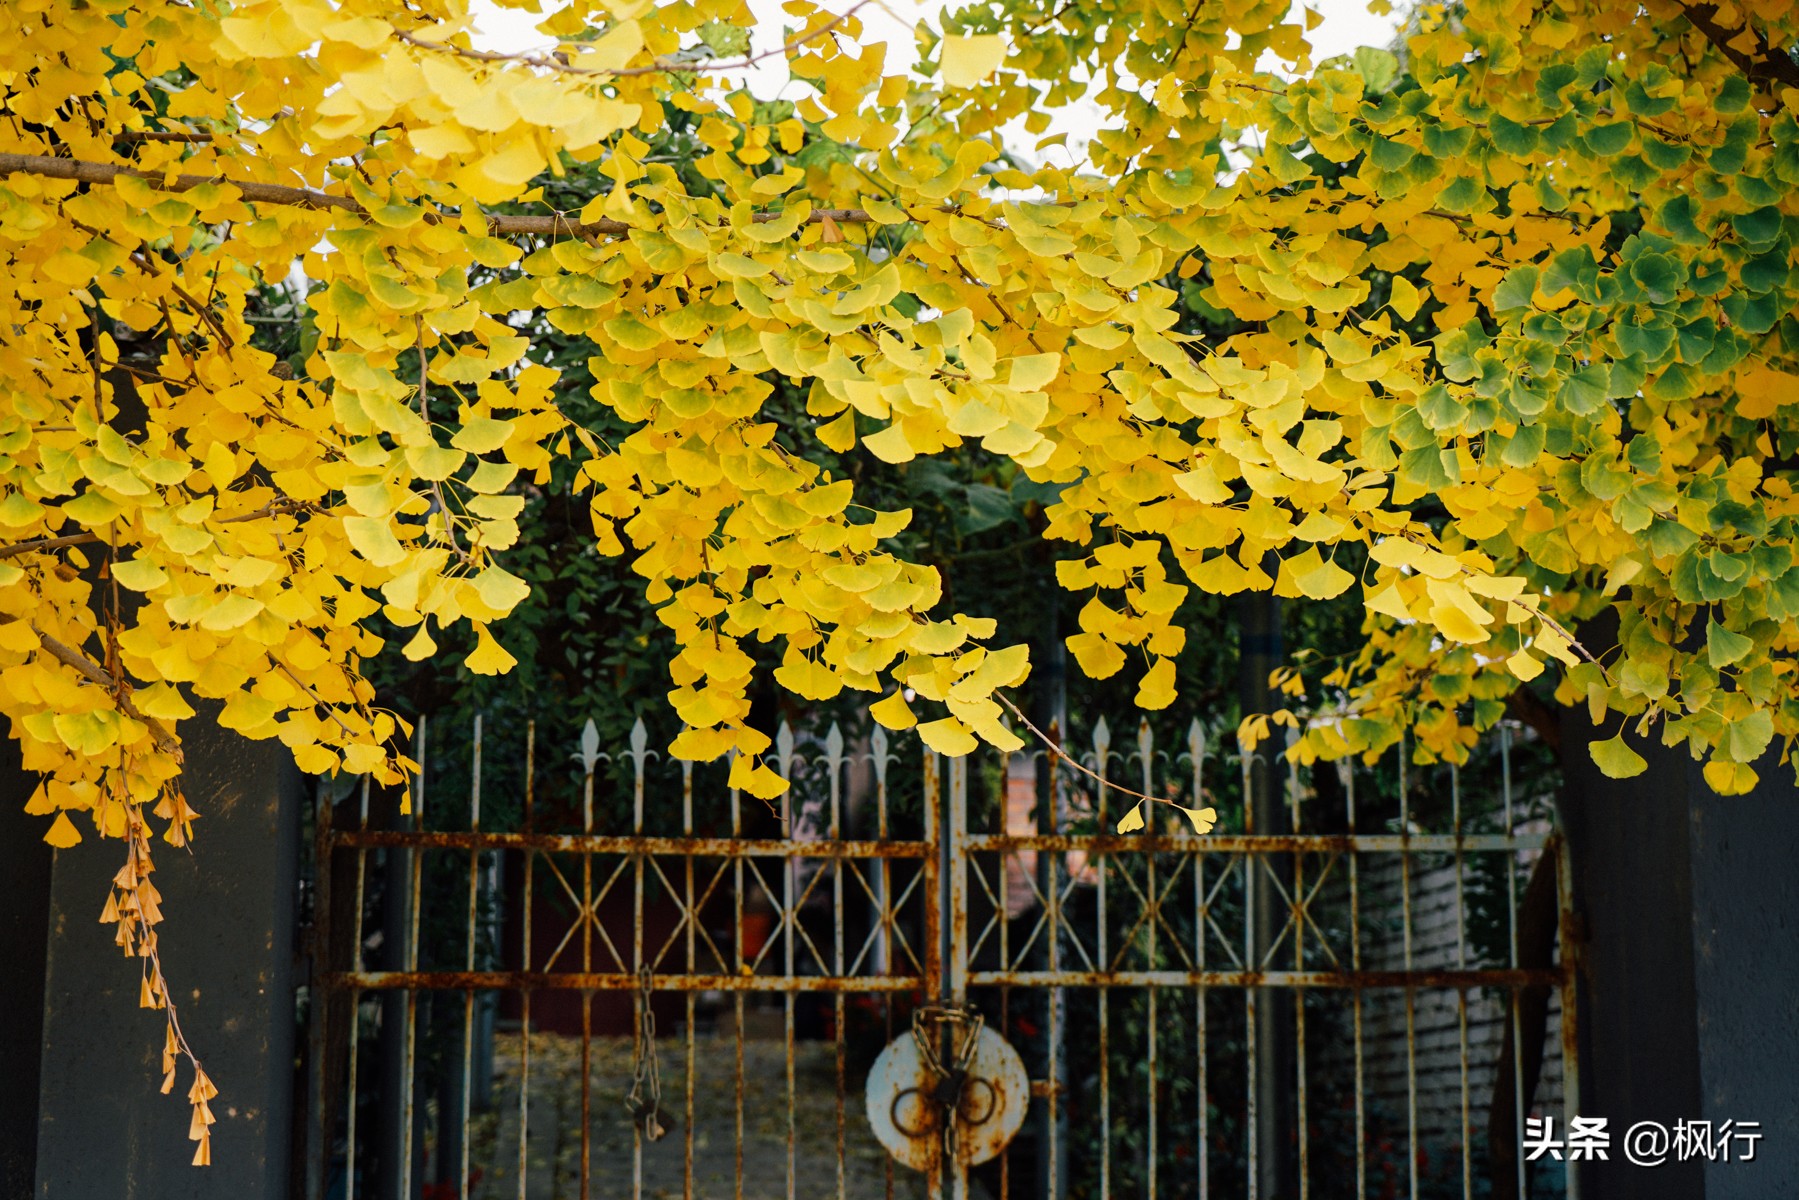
(1437, 1036)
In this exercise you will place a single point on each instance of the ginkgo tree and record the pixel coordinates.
(1513, 345)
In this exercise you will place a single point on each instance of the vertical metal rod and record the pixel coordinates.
(1355, 962)
(1511, 913)
(589, 918)
(834, 758)
(1058, 997)
(1002, 816)
(468, 997)
(318, 1103)
(1461, 995)
(737, 998)
(957, 959)
(355, 1001)
(1411, 995)
(935, 915)
(884, 888)
(1101, 763)
(1302, 1114)
(783, 745)
(1197, 746)
(693, 920)
(1251, 961)
(524, 1029)
(1569, 949)
(884, 935)
(412, 962)
(641, 1008)
(1153, 902)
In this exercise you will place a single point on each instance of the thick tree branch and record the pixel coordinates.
(49, 543)
(69, 656)
(501, 224)
(1529, 708)
(162, 135)
(1768, 65)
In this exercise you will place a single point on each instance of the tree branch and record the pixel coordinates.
(69, 656)
(557, 225)
(556, 60)
(1528, 707)
(161, 135)
(1768, 65)
(81, 539)
(49, 543)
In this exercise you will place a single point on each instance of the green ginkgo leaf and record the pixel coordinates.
(1617, 760)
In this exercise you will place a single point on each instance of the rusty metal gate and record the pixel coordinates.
(654, 986)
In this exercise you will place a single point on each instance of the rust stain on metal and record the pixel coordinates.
(790, 872)
(574, 843)
(1350, 980)
(481, 981)
(1290, 843)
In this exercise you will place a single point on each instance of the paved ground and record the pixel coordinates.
(553, 1144)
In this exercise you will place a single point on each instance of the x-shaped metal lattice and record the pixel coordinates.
(587, 913)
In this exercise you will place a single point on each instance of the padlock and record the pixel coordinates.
(948, 1092)
(647, 1116)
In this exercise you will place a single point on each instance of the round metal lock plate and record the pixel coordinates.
(909, 1123)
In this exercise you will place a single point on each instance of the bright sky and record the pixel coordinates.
(1346, 25)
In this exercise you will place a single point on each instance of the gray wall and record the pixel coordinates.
(1745, 859)
(1691, 943)
(227, 949)
(24, 927)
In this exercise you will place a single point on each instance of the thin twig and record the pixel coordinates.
(1056, 752)
(81, 539)
(316, 698)
(558, 225)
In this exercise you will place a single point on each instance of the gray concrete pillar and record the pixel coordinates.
(24, 929)
(105, 1132)
(1690, 961)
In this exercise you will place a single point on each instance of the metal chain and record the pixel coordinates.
(956, 1076)
(645, 1097)
(971, 1022)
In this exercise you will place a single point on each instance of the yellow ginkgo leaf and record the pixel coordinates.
(1202, 819)
(1730, 778)
(1132, 820)
(1404, 298)
(421, 646)
(948, 736)
(893, 711)
(139, 574)
(1325, 581)
(1524, 665)
(488, 657)
(62, 832)
(374, 540)
(1156, 691)
(970, 58)
(500, 590)
(756, 778)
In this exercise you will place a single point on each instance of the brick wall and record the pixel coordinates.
(1437, 1056)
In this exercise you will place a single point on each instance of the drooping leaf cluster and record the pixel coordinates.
(1497, 331)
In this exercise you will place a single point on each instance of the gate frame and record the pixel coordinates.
(945, 853)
